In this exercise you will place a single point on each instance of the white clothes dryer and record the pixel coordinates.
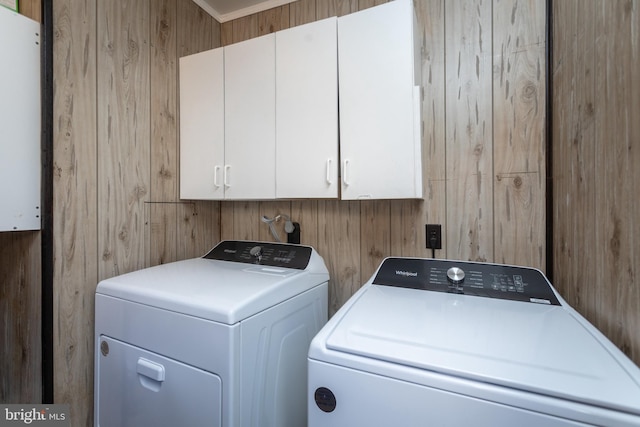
(220, 340)
(429, 342)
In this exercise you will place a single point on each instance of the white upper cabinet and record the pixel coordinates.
(259, 119)
(380, 135)
(307, 111)
(250, 136)
(202, 125)
(20, 122)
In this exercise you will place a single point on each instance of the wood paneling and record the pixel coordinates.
(123, 134)
(434, 142)
(198, 222)
(31, 9)
(20, 302)
(596, 137)
(163, 209)
(20, 316)
(116, 203)
(519, 132)
(469, 130)
(117, 151)
(75, 207)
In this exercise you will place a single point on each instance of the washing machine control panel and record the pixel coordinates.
(263, 253)
(469, 278)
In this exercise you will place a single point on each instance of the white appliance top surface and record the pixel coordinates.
(540, 348)
(221, 291)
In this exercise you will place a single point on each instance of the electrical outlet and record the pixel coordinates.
(434, 236)
(294, 235)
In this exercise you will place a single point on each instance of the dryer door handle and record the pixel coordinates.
(151, 370)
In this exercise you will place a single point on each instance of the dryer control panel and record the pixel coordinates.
(262, 253)
(468, 278)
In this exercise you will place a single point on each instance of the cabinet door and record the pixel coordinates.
(250, 119)
(307, 111)
(20, 122)
(202, 125)
(379, 103)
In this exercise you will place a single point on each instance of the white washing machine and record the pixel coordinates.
(220, 340)
(444, 343)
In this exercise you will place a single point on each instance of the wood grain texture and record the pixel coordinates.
(178, 230)
(302, 12)
(409, 217)
(31, 9)
(20, 296)
(469, 131)
(631, 309)
(431, 16)
(562, 70)
(375, 234)
(75, 207)
(123, 135)
(20, 315)
(328, 8)
(596, 134)
(163, 74)
(519, 132)
(198, 227)
(613, 171)
(113, 138)
(113, 125)
(339, 245)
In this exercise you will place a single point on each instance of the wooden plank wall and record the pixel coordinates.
(20, 339)
(116, 153)
(116, 206)
(20, 296)
(596, 150)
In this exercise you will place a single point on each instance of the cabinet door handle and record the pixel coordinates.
(216, 170)
(226, 175)
(329, 161)
(345, 169)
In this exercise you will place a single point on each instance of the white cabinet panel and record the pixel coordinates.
(250, 119)
(202, 125)
(380, 142)
(19, 122)
(307, 111)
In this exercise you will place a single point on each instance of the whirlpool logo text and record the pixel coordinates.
(407, 273)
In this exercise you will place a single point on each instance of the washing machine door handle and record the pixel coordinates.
(149, 369)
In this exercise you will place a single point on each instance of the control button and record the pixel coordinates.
(455, 275)
(325, 399)
(256, 252)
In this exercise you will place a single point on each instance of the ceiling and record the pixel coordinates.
(226, 10)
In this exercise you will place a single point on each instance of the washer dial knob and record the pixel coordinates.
(455, 275)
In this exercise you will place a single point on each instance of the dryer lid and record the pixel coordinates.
(219, 290)
(545, 349)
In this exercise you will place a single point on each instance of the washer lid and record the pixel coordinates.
(543, 349)
(222, 291)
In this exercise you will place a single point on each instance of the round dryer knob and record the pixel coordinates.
(455, 275)
(256, 251)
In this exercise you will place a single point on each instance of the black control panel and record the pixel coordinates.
(468, 278)
(263, 253)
